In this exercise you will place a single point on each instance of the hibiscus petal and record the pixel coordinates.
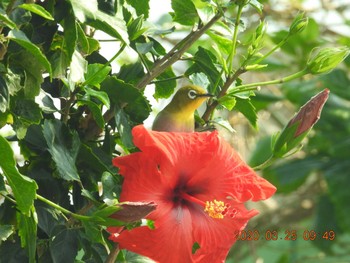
(216, 236)
(209, 163)
(143, 182)
(171, 241)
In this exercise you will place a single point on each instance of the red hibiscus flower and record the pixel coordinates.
(199, 184)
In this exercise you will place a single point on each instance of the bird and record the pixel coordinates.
(178, 115)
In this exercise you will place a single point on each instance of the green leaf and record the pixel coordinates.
(262, 100)
(131, 73)
(23, 188)
(64, 147)
(13, 81)
(93, 232)
(185, 12)
(6, 20)
(94, 160)
(338, 82)
(27, 111)
(31, 72)
(224, 124)
(83, 42)
(20, 38)
(228, 102)
(141, 7)
(77, 67)
(100, 95)
(70, 34)
(20, 16)
(59, 62)
(4, 95)
(144, 48)
(157, 49)
(37, 9)
(204, 62)
(261, 152)
(326, 220)
(224, 44)
(64, 244)
(247, 109)
(257, 5)
(6, 231)
(27, 232)
(288, 176)
(121, 93)
(200, 79)
(166, 87)
(338, 180)
(96, 73)
(135, 29)
(124, 128)
(48, 217)
(88, 12)
(96, 111)
(111, 186)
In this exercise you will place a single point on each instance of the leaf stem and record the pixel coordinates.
(280, 44)
(275, 81)
(63, 210)
(234, 39)
(211, 107)
(168, 79)
(265, 164)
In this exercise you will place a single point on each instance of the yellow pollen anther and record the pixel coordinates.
(215, 209)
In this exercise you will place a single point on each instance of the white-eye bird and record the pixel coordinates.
(178, 115)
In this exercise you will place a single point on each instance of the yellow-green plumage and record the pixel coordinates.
(178, 115)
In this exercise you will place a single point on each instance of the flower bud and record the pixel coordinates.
(327, 59)
(299, 23)
(299, 126)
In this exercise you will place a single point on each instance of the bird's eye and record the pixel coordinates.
(192, 94)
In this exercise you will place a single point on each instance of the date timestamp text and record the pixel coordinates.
(288, 235)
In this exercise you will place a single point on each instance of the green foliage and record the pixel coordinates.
(185, 12)
(69, 110)
(23, 188)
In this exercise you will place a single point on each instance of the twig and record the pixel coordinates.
(113, 254)
(228, 83)
(175, 54)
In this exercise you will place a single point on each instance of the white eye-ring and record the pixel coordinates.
(192, 94)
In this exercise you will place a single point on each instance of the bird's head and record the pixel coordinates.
(189, 98)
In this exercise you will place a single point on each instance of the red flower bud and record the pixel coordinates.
(309, 113)
(300, 124)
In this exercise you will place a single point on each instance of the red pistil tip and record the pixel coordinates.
(216, 209)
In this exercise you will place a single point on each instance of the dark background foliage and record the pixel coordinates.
(67, 110)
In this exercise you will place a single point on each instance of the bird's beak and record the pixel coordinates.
(205, 95)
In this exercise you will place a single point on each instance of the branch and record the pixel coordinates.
(211, 107)
(175, 54)
(112, 256)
